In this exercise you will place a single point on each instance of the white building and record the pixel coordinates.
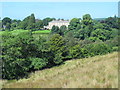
(57, 23)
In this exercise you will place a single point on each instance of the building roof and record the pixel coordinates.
(60, 21)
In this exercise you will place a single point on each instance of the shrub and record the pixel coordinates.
(14, 68)
(114, 48)
(75, 51)
(58, 59)
(57, 47)
(78, 52)
(38, 63)
(98, 49)
(15, 53)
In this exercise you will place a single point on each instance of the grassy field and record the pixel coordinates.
(14, 31)
(36, 34)
(94, 72)
(42, 32)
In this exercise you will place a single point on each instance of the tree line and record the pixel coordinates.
(28, 23)
(83, 38)
(87, 28)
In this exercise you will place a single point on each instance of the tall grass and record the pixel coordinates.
(94, 72)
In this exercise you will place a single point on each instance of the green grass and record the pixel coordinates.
(22, 30)
(94, 72)
(2, 32)
(36, 34)
(14, 31)
(42, 32)
(18, 31)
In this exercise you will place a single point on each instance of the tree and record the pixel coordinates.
(31, 26)
(74, 24)
(87, 25)
(6, 23)
(63, 28)
(98, 25)
(16, 63)
(39, 24)
(87, 20)
(101, 34)
(70, 40)
(24, 23)
(57, 47)
(28, 23)
(8, 26)
(55, 29)
(78, 52)
(6, 20)
(78, 27)
(47, 20)
(57, 43)
(97, 48)
(114, 33)
(119, 24)
(83, 33)
(31, 22)
(38, 63)
(112, 22)
(32, 19)
(13, 25)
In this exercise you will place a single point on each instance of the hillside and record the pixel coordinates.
(93, 72)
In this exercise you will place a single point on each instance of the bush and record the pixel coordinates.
(75, 51)
(98, 49)
(78, 52)
(57, 47)
(114, 48)
(15, 52)
(58, 59)
(38, 63)
(14, 68)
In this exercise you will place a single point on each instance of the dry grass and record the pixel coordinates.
(95, 72)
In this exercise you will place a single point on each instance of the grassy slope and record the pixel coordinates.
(94, 72)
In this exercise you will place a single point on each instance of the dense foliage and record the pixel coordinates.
(23, 53)
(28, 23)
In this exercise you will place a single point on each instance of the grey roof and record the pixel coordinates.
(60, 21)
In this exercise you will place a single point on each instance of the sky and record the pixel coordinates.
(65, 10)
